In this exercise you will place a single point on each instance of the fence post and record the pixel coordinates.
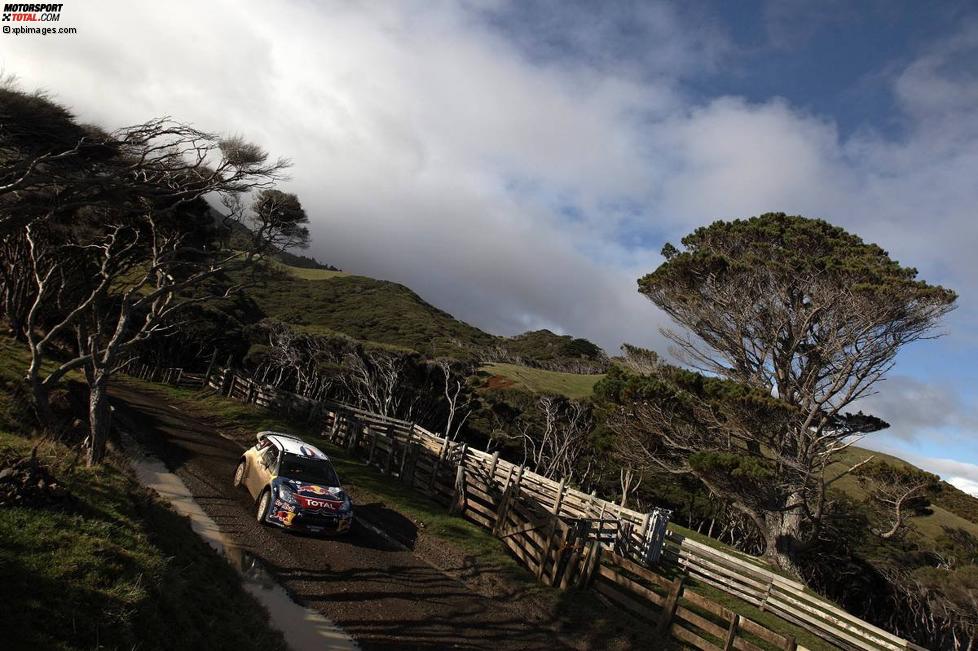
(405, 453)
(373, 444)
(210, 368)
(503, 510)
(731, 632)
(388, 462)
(572, 569)
(353, 430)
(559, 499)
(492, 470)
(669, 606)
(767, 593)
(593, 562)
(457, 506)
(335, 427)
(227, 378)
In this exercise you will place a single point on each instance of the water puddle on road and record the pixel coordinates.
(304, 629)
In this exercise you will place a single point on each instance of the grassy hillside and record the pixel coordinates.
(310, 273)
(322, 301)
(329, 302)
(536, 380)
(952, 508)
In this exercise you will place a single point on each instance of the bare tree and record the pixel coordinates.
(374, 379)
(628, 482)
(139, 248)
(897, 490)
(557, 443)
(457, 398)
(295, 360)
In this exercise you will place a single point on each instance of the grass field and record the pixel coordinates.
(537, 380)
(309, 274)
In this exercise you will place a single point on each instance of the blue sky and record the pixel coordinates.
(521, 164)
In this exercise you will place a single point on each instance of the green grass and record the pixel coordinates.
(115, 569)
(537, 380)
(929, 526)
(112, 568)
(305, 273)
(329, 303)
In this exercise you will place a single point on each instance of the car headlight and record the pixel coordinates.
(285, 494)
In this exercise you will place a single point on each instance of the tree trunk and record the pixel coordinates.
(781, 536)
(98, 417)
(41, 395)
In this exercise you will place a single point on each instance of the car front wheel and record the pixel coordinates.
(263, 504)
(239, 474)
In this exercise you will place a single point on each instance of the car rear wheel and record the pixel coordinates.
(263, 503)
(239, 474)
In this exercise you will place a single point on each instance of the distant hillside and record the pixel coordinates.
(324, 301)
(302, 261)
(951, 508)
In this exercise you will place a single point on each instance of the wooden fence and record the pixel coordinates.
(569, 538)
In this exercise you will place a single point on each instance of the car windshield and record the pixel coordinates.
(312, 471)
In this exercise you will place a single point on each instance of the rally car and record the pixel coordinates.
(294, 485)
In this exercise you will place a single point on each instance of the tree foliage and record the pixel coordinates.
(107, 237)
(792, 320)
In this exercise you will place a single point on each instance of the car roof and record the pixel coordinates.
(292, 445)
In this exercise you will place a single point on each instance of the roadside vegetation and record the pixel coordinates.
(89, 559)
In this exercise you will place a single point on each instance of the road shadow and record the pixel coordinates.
(394, 524)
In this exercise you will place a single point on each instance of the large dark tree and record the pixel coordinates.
(802, 319)
(106, 239)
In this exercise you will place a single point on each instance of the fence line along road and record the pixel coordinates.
(568, 538)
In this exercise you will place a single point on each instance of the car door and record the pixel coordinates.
(261, 472)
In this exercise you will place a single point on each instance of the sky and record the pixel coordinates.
(520, 165)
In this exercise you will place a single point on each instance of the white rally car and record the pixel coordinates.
(294, 485)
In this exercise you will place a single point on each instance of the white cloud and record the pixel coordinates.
(961, 474)
(431, 150)
(969, 486)
(915, 408)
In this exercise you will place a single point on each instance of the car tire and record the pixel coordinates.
(264, 503)
(238, 474)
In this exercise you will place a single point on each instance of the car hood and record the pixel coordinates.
(316, 491)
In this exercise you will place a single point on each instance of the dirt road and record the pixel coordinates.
(380, 594)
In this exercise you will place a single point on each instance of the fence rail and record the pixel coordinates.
(566, 537)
